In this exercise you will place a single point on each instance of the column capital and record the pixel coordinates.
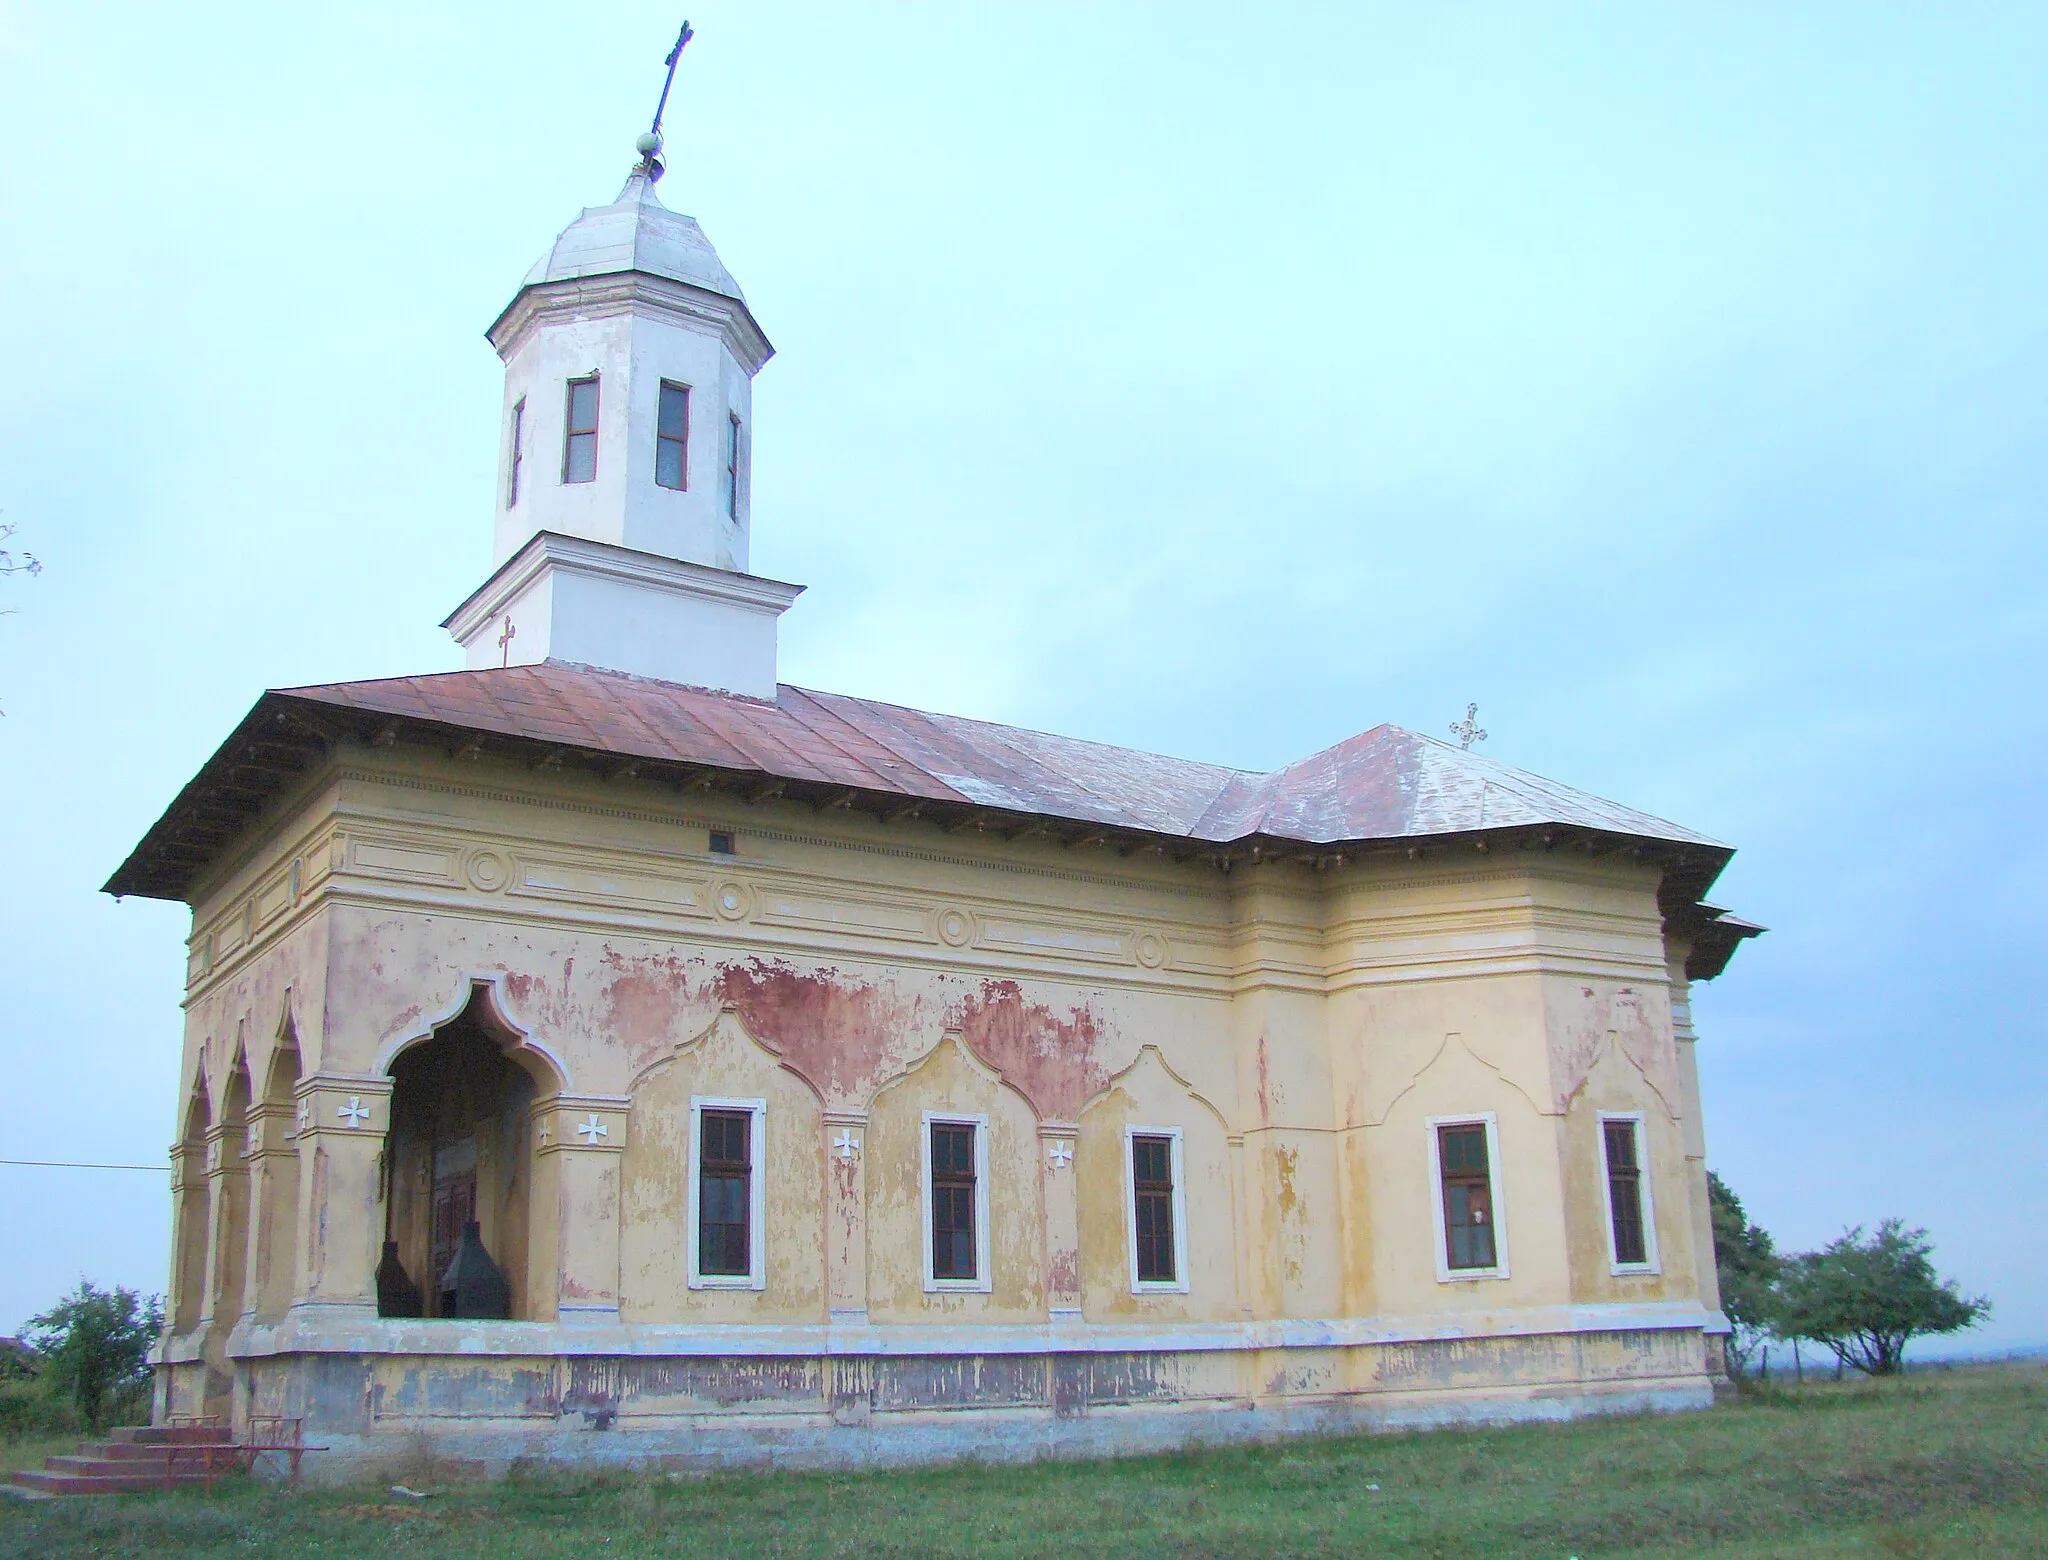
(342, 1105)
(580, 1123)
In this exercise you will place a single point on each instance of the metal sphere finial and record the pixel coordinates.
(647, 143)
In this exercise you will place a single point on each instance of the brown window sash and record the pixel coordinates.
(952, 1162)
(1152, 1189)
(579, 436)
(1468, 1197)
(672, 437)
(724, 1193)
(1625, 1193)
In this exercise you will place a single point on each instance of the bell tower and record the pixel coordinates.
(624, 495)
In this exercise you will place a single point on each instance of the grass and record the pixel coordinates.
(1938, 1463)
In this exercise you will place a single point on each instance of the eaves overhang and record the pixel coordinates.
(288, 734)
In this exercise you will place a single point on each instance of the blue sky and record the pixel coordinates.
(1218, 380)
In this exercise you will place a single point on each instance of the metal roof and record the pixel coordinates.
(1387, 785)
(636, 232)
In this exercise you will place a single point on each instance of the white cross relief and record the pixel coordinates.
(305, 1113)
(1060, 1152)
(355, 1112)
(547, 1130)
(590, 1131)
(847, 1144)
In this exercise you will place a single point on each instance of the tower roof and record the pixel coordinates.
(636, 232)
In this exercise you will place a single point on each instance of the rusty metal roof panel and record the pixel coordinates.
(1386, 784)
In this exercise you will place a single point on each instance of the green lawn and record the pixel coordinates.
(1937, 1463)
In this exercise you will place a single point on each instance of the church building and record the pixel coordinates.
(610, 1053)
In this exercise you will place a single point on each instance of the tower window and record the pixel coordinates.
(672, 437)
(1470, 1240)
(1629, 1224)
(579, 440)
(727, 1194)
(732, 467)
(518, 452)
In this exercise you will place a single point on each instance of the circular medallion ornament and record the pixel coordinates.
(488, 870)
(955, 928)
(1151, 950)
(731, 900)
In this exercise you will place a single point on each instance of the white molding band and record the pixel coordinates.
(363, 1334)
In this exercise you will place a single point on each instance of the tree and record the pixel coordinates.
(1747, 1262)
(1866, 1299)
(95, 1345)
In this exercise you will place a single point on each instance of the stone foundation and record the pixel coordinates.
(394, 1405)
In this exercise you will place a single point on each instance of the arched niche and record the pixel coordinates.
(1150, 1097)
(725, 1063)
(951, 1081)
(460, 1151)
(231, 1241)
(192, 1213)
(275, 1259)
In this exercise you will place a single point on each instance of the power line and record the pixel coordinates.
(73, 1164)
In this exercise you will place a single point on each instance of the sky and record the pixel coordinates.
(1216, 380)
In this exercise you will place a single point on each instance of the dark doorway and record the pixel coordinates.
(459, 1155)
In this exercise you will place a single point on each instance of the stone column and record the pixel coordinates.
(846, 1217)
(579, 1139)
(344, 1125)
(1056, 1144)
(224, 1168)
(271, 1274)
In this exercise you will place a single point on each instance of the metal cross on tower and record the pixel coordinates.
(1467, 731)
(649, 145)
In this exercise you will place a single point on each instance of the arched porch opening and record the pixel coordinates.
(192, 1214)
(459, 1167)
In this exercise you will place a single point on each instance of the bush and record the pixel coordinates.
(29, 1407)
(95, 1348)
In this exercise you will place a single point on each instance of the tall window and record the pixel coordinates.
(518, 452)
(672, 437)
(732, 467)
(725, 1169)
(1466, 1180)
(726, 1193)
(1628, 1203)
(953, 1201)
(1158, 1215)
(579, 438)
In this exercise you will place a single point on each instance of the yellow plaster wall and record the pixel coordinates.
(952, 1082)
(1303, 1026)
(1149, 1095)
(654, 1233)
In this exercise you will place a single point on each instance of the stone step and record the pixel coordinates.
(172, 1435)
(128, 1451)
(152, 1467)
(44, 1481)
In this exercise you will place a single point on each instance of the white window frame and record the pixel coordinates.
(1177, 1285)
(1650, 1262)
(1445, 1273)
(756, 1276)
(983, 1281)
